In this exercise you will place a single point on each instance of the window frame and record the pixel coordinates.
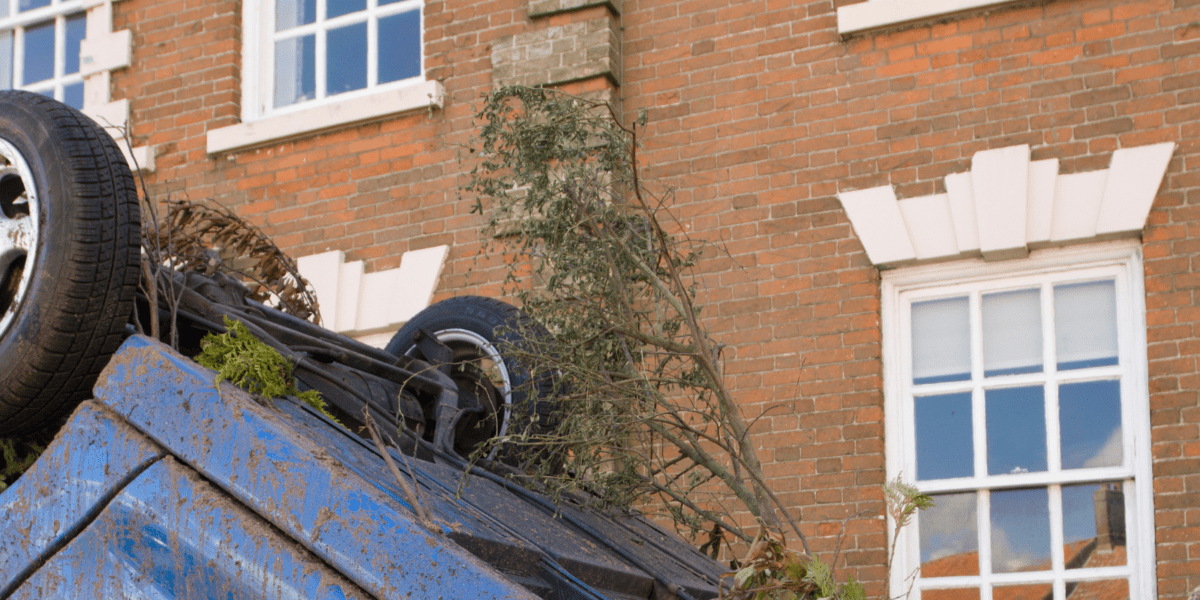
(18, 22)
(258, 66)
(900, 287)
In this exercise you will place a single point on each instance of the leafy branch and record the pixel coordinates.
(645, 415)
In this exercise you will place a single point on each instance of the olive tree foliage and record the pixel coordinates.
(643, 413)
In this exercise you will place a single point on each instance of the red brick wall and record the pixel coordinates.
(759, 115)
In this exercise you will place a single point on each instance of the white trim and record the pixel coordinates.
(101, 52)
(1007, 205)
(427, 95)
(857, 18)
(1122, 258)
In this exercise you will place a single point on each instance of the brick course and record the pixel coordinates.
(758, 115)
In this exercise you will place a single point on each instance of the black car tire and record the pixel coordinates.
(69, 255)
(483, 329)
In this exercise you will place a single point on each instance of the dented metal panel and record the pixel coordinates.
(94, 455)
(492, 522)
(169, 534)
(358, 526)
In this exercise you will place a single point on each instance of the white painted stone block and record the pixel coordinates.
(323, 272)
(350, 280)
(352, 300)
(140, 158)
(377, 296)
(1134, 176)
(1000, 183)
(1040, 212)
(962, 210)
(1076, 205)
(110, 115)
(930, 225)
(105, 53)
(876, 218)
(96, 88)
(417, 280)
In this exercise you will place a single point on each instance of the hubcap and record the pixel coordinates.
(480, 372)
(19, 208)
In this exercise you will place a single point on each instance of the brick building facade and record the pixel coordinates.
(893, 181)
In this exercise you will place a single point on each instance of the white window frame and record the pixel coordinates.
(262, 123)
(57, 11)
(875, 14)
(1119, 260)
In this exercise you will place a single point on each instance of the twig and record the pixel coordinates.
(837, 550)
(410, 494)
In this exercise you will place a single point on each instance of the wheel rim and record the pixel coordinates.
(19, 206)
(488, 369)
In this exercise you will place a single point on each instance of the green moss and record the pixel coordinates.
(17, 457)
(244, 360)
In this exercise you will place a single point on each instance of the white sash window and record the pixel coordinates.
(314, 51)
(1017, 398)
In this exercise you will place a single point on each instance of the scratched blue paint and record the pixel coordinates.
(256, 455)
(170, 535)
(91, 457)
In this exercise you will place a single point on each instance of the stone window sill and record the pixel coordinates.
(427, 95)
(876, 14)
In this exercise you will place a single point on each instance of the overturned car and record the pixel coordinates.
(163, 483)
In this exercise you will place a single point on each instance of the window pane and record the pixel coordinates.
(347, 66)
(1024, 592)
(400, 46)
(1090, 424)
(1093, 525)
(73, 97)
(3, 8)
(6, 59)
(295, 70)
(337, 8)
(944, 440)
(1012, 333)
(1105, 589)
(1020, 530)
(941, 338)
(24, 5)
(949, 538)
(39, 53)
(1085, 324)
(293, 13)
(76, 31)
(386, 2)
(1016, 430)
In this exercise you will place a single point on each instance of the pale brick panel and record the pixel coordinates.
(559, 54)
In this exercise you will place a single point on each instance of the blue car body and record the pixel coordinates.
(166, 486)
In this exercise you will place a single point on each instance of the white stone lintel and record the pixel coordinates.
(1006, 204)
